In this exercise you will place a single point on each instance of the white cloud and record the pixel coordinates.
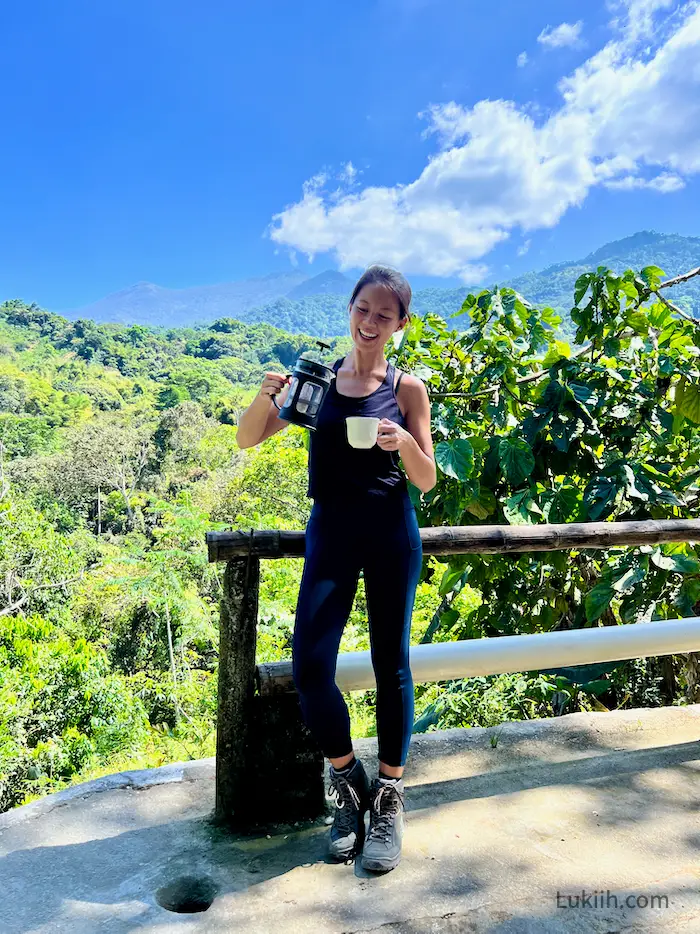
(636, 17)
(558, 36)
(629, 118)
(522, 60)
(665, 182)
(349, 173)
(522, 250)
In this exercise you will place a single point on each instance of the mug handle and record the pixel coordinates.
(274, 400)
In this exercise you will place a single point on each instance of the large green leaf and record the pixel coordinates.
(448, 619)
(599, 496)
(559, 350)
(638, 321)
(452, 575)
(581, 286)
(597, 601)
(681, 564)
(428, 718)
(482, 505)
(559, 433)
(561, 505)
(629, 580)
(688, 597)
(516, 459)
(688, 400)
(535, 422)
(522, 509)
(652, 276)
(455, 458)
(585, 674)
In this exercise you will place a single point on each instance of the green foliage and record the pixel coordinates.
(270, 489)
(530, 432)
(118, 455)
(486, 701)
(60, 706)
(70, 703)
(594, 435)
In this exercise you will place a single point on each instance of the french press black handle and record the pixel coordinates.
(289, 376)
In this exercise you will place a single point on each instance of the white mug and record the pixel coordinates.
(362, 431)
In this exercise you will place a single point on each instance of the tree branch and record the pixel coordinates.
(679, 311)
(5, 611)
(683, 278)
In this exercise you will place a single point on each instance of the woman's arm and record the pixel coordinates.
(259, 421)
(414, 443)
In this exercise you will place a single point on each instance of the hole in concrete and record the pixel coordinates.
(187, 895)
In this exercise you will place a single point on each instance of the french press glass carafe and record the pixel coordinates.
(311, 380)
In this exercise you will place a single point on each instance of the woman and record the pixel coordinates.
(362, 519)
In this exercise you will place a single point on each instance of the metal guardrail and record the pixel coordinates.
(471, 658)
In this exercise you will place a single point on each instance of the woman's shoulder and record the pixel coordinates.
(408, 380)
(411, 394)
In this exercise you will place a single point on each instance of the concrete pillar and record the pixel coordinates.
(269, 768)
(236, 687)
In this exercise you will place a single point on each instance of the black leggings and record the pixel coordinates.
(383, 539)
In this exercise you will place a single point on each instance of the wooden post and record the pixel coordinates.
(237, 641)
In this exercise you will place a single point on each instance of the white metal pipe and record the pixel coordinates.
(442, 661)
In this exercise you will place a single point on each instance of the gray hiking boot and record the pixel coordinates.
(382, 847)
(351, 794)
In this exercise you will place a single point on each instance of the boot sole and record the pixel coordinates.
(375, 865)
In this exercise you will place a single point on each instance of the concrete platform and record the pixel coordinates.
(497, 840)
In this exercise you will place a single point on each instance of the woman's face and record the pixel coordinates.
(374, 316)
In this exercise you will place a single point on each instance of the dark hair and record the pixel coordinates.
(391, 279)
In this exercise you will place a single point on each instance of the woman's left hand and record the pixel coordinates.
(391, 436)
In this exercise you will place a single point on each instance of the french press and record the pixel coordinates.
(310, 383)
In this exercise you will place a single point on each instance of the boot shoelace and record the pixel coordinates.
(344, 794)
(383, 822)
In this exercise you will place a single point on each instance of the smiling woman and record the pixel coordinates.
(362, 520)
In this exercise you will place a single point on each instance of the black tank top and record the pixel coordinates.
(339, 472)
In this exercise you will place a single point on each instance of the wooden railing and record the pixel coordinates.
(266, 760)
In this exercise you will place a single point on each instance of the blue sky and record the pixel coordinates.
(189, 144)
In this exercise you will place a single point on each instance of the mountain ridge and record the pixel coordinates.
(188, 306)
(317, 304)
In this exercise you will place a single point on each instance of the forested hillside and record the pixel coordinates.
(674, 254)
(118, 453)
(554, 286)
(52, 366)
(149, 304)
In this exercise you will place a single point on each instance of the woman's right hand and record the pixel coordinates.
(272, 385)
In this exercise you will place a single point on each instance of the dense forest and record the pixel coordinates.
(118, 453)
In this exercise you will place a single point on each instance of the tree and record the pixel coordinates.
(530, 431)
(109, 453)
